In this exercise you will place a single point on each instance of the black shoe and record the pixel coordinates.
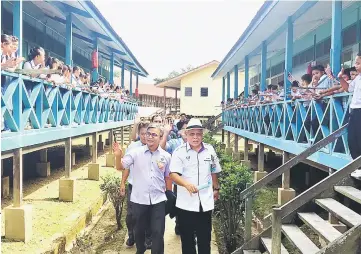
(176, 230)
(130, 242)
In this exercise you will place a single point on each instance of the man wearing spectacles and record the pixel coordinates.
(150, 166)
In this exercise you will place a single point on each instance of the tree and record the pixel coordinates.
(174, 74)
(117, 74)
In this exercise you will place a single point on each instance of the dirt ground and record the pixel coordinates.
(105, 239)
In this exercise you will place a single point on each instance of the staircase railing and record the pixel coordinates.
(211, 120)
(247, 193)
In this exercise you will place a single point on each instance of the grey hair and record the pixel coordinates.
(156, 126)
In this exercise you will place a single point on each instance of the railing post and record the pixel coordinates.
(285, 193)
(248, 217)
(276, 231)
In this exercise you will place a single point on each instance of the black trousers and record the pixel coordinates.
(201, 224)
(155, 215)
(354, 135)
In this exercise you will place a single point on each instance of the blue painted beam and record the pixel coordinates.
(18, 24)
(101, 36)
(60, 20)
(235, 82)
(288, 57)
(83, 38)
(246, 77)
(118, 52)
(136, 81)
(69, 40)
(263, 66)
(131, 83)
(336, 36)
(75, 10)
(111, 73)
(228, 85)
(122, 77)
(95, 70)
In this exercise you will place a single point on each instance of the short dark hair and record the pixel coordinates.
(318, 67)
(359, 54)
(183, 114)
(294, 83)
(352, 69)
(281, 83)
(142, 125)
(307, 77)
(347, 72)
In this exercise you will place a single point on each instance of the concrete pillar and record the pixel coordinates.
(73, 156)
(110, 158)
(67, 184)
(5, 182)
(18, 218)
(43, 167)
(236, 154)
(260, 173)
(246, 160)
(100, 143)
(94, 167)
(285, 193)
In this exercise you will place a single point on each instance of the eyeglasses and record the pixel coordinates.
(154, 135)
(198, 135)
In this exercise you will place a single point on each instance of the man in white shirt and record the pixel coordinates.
(194, 167)
(354, 137)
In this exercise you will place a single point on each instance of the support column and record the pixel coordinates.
(69, 39)
(263, 66)
(236, 154)
(67, 184)
(88, 148)
(258, 175)
(100, 144)
(122, 76)
(228, 85)
(94, 168)
(235, 94)
(288, 58)
(246, 162)
(285, 193)
(18, 218)
(131, 83)
(222, 135)
(246, 77)
(111, 73)
(110, 158)
(5, 182)
(18, 24)
(95, 70)
(336, 36)
(229, 149)
(43, 167)
(176, 100)
(164, 98)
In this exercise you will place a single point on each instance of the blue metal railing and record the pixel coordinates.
(301, 122)
(30, 102)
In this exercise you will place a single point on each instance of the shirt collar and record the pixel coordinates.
(146, 148)
(188, 147)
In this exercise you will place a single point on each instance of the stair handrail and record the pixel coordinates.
(294, 161)
(211, 120)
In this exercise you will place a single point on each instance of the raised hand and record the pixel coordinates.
(341, 73)
(117, 150)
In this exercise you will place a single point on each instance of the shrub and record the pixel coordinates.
(111, 187)
(229, 210)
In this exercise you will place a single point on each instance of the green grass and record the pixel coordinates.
(264, 200)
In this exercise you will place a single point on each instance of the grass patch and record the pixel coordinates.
(264, 200)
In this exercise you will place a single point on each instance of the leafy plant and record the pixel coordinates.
(229, 210)
(111, 187)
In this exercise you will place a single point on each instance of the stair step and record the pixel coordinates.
(344, 214)
(299, 239)
(267, 243)
(252, 252)
(350, 192)
(320, 226)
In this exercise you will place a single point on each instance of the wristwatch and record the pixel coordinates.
(216, 189)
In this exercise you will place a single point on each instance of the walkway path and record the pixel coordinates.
(172, 243)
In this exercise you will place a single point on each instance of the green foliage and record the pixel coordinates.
(264, 200)
(230, 208)
(111, 187)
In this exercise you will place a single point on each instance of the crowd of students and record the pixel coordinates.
(165, 151)
(54, 71)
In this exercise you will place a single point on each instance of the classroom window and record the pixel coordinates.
(188, 91)
(204, 91)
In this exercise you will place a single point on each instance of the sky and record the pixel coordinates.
(169, 35)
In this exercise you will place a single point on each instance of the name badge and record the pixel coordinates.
(207, 159)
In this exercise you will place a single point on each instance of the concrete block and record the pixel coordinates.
(237, 156)
(246, 163)
(258, 175)
(18, 223)
(107, 142)
(109, 160)
(5, 186)
(229, 150)
(94, 171)
(43, 169)
(285, 195)
(67, 189)
(73, 161)
(100, 146)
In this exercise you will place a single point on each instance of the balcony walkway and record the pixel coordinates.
(293, 126)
